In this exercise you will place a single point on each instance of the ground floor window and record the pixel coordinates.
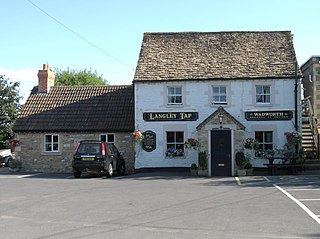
(51, 143)
(265, 140)
(108, 138)
(175, 143)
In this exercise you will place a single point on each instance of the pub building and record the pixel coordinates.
(217, 88)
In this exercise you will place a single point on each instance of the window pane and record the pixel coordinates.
(48, 147)
(223, 99)
(178, 91)
(170, 137)
(103, 138)
(55, 147)
(178, 99)
(170, 90)
(223, 90)
(266, 89)
(259, 89)
(110, 138)
(48, 138)
(259, 136)
(268, 137)
(215, 90)
(179, 137)
(55, 138)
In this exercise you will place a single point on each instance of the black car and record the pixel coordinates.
(97, 157)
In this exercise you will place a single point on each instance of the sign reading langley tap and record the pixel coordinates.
(170, 116)
(269, 115)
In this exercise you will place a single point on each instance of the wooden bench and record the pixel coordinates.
(293, 168)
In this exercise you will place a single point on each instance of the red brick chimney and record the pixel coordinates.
(46, 79)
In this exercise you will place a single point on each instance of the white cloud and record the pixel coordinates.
(27, 77)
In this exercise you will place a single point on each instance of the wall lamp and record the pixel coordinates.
(220, 119)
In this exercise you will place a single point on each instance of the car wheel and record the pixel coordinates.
(122, 169)
(109, 171)
(77, 174)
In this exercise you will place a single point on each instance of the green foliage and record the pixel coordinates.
(78, 78)
(203, 160)
(293, 150)
(9, 107)
(193, 166)
(241, 160)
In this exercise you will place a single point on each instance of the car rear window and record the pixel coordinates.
(91, 148)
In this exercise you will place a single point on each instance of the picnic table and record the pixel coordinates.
(292, 165)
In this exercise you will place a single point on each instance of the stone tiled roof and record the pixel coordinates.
(216, 55)
(79, 108)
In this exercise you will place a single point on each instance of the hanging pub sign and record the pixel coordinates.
(149, 141)
(170, 116)
(268, 115)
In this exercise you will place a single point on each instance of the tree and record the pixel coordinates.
(9, 107)
(72, 77)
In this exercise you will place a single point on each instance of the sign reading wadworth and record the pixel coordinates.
(170, 116)
(149, 141)
(269, 115)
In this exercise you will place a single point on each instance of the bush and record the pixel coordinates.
(203, 160)
(241, 160)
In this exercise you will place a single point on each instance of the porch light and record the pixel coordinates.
(220, 119)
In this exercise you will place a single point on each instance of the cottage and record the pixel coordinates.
(54, 119)
(215, 88)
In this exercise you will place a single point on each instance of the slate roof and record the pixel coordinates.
(216, 55)
(79, 108)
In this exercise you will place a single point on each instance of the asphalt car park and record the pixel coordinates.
(158, 205)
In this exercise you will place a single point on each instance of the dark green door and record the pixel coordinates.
(221, 153)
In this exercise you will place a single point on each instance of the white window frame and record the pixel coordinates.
(264, 143)
(52, 143)
(175, 143)
(174, 95)
(107, 137)
(220, 95)
(263, 94)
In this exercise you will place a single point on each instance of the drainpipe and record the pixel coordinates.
(296, 95)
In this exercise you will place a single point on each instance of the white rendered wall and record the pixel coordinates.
(151, 97)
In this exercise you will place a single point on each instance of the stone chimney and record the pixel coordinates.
(46, 79)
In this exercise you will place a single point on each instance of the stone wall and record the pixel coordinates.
(30, 151)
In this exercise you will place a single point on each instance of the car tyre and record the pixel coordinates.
(77, 174)
(109, 171)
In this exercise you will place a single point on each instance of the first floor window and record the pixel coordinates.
(51, 143)
(175, 95)
(108, 138)
(265, 140)
(263, 94)
(219, 95)
(175, 143)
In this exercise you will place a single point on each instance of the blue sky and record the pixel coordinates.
(106, 35)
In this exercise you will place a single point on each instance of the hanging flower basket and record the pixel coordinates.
(251, 143)
(138, 136)
(192, 143)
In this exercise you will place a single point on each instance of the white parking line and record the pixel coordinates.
(238, 180)
(300, 204)
(309, 199)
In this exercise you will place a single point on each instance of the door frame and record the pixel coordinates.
(232, 150)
